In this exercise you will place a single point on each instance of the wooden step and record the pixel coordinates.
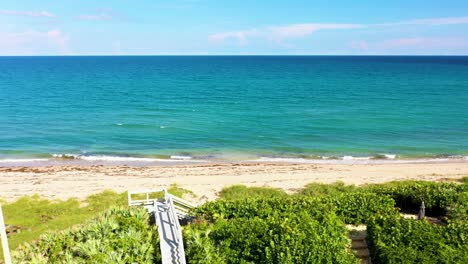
(358, 244)
(366, 261)
(362, 253)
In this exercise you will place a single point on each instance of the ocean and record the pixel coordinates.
(184, 109)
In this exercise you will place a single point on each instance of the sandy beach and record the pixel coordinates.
(207, 180)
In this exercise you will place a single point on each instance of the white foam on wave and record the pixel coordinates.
(110, 158)
(66, 156)
(390, 158)
(175, 157)
(105, 158)
(345, 158)
(21, 160)
(116, 158)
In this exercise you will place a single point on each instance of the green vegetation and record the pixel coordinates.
(174, 189)
(263, 225)
(242, 192)
(117, 236)
(320, 189)
(35, 215)
(277, 238)
(448, 200)
(397, 240)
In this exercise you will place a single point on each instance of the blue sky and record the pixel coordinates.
(212, 27)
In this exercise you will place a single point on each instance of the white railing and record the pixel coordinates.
(6, 250)
(180, 242)
(148, 199)
(181, 206)
(176, 207)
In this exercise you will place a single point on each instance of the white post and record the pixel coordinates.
(6, 250)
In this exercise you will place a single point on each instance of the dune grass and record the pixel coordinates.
(34, 215)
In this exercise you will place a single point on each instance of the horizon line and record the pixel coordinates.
(243, 55)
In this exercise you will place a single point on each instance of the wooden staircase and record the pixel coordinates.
(358, 237)
(167, 211)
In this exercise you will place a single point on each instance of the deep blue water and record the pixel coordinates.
(233, 107)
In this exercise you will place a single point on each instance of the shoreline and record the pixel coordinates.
(207, 179)
(77, 160)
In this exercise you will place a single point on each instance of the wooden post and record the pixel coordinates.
(6, 250)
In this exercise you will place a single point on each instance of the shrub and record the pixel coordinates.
(359, 207)
(241, 192)
(438, 197)
(117, 236)
(296, 238)
(199, 248)
(352, 208)
(320, 189)
(262, 208)
(398, 240)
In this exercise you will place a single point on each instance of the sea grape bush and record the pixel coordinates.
(399, 240)
(277, 238)
(359, 207)
(441, 199)
(253, 207)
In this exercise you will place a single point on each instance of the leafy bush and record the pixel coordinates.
(359, 207)
(464, 180)
(241, 192)
(352, 208)
(261, 208)
(398, 240)
(117, 236)
(199, 248)
(320, 189)
(438, 197)
(295, 238)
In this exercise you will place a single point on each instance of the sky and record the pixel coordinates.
(234, 27)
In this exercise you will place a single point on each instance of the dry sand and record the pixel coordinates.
(206, 180)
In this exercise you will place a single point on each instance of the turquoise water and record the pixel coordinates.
(233, 107)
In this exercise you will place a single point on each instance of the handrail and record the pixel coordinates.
(174, 206)
(181, 201)
(147, 193)
(3, 235)
(180, 243)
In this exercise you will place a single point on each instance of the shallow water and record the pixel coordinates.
(232, 108)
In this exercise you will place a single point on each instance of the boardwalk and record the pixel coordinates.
(166, 212)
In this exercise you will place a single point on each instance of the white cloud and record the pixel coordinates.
(241, 37)
(422, 43)
(277, 34)
(302, 30)
(32, 42)
(431, 21)
(103, 16)
(26, 13)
